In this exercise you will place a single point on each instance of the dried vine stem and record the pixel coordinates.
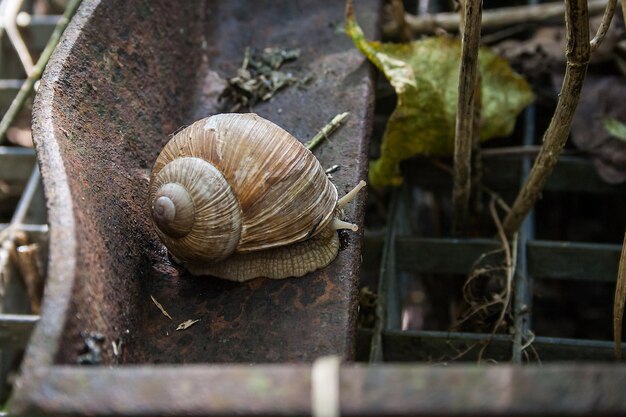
(577, 53)
(510, 254)
(502, 16)
(620, 299)
(604, 25)
(29, 85)
(11, 11)
(398, 15)
(464, 128)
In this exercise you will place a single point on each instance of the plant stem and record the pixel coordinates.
(604, 25)
(577, 54)
(620, 299)
(326, 130)
(29, 85)
(464, 128)
(502, 16)
(11, 12)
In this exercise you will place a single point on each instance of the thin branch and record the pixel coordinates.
(326, 130)
(620, 299)
(11, 11)
(398, 15)
(502, 16)
(604, 25)
(577, 53)
(464, 128)
(511, 264)
(29, 85)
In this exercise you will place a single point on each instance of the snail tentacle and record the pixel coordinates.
(343, 201)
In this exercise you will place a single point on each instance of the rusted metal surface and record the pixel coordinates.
(126, 76)
(280, 390)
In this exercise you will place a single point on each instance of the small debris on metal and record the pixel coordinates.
(259, 77)
(327, 130)
(117, 347)
(332, 169)
(91, 353)
(160, 307)
(186, 324)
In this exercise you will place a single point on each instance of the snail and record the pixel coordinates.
(237, 197)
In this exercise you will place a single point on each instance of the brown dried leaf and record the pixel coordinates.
(160, 307)
(602, 98)
(187, 324)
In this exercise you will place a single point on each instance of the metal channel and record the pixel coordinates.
(444, 347)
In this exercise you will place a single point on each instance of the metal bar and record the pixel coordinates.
(281, 390)
(15, 329)
(386, 278)
(523, 293)
(38, 29)
(571, 174)
(570, 260)
(8, 91)
(27, 196)
(546, 259)
(16, 164)
(439, 346)
(28, 228)
(441, 256)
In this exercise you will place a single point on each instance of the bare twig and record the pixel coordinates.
(326, 130)
(29, 85)
(10, 15)
(464, 128)
(27, 263)
(510, 255)
(398, 15)
(477, 159)
(618, 305)
(502, 16)
(604, 25)
(577, 53)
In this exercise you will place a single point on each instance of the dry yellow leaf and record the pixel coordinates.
(425, 74)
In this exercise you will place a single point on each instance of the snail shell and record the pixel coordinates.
(236, 196)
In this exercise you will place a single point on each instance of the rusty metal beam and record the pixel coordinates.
(281, 390)
(124, 77)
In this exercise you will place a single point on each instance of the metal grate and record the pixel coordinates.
(23, 228)
(408, 255)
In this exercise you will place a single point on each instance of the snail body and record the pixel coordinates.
(237, 197)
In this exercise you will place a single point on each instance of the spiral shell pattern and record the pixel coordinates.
(239, 183)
